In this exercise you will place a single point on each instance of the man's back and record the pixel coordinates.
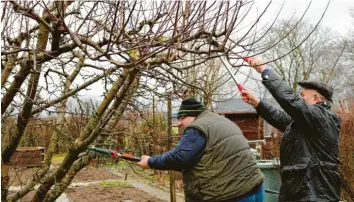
(309, 147)
(227, 169)
(309, 161)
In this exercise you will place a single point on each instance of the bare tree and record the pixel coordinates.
(346, 82)
(317, 58)
(53, 51)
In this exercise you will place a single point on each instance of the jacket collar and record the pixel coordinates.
(325, 104)
(201, 114)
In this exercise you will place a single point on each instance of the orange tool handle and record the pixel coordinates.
(129, 157)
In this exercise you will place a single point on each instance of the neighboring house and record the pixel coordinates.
(174, 118)
(252, 126)
(244, 115)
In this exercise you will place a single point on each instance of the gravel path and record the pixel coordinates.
(151, 190)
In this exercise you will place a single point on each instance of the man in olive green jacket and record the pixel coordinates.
(214, 157)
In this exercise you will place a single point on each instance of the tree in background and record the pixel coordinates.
(347, 115)
(53, 51)
(347, 81)
(316, 58)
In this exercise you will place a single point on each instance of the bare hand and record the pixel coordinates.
(257, 64)
(144, 162)
(249, 97)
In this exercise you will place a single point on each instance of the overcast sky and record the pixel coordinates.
(337, 16)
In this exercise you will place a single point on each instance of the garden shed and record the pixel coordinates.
(244, 115)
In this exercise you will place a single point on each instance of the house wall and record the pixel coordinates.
(248, 124)
(252, 130)
(27, 157)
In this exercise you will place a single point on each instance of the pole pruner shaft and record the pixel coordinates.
(228, 67)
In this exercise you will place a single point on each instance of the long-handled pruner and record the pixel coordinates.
(228, 67)
(113, 154)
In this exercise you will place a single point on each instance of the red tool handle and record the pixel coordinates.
(246, 59)
(240, 88)
(114, 154)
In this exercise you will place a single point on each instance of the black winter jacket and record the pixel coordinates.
(309, 148)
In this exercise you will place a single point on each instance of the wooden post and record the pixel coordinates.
(98, 161)
(152, 131)
(260, 137)
(171, 172)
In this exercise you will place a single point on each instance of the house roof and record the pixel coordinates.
(233, 106)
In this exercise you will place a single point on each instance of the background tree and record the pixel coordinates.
(121, 50)
(346, 82)
(316, 58)
(55, 51)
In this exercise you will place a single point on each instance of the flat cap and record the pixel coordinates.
(323, 89)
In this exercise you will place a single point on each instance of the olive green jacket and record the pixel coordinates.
(227, 168)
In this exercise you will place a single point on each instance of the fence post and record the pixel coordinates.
(169, 130)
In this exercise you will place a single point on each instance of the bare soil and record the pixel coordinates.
(90, 193)
(104, 194)
(22, 176)
(19, 177)
(92, 173)
(26, 198)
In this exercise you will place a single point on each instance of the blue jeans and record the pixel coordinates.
(255, 195)
(258, 196)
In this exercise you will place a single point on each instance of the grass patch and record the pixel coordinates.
(175, 130)
(119, 166)
(116, 183)
(58, 158)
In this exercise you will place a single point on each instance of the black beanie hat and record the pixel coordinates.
(190, 107)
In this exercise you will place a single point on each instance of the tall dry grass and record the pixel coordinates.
(346, 148)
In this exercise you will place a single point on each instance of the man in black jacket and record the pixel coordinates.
(309, 148)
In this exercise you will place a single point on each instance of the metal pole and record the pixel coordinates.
(228, 67)
(271, 191)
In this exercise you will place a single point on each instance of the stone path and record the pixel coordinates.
(151, 190)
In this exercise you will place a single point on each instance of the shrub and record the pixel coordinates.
(346, 149)
(122, 184)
